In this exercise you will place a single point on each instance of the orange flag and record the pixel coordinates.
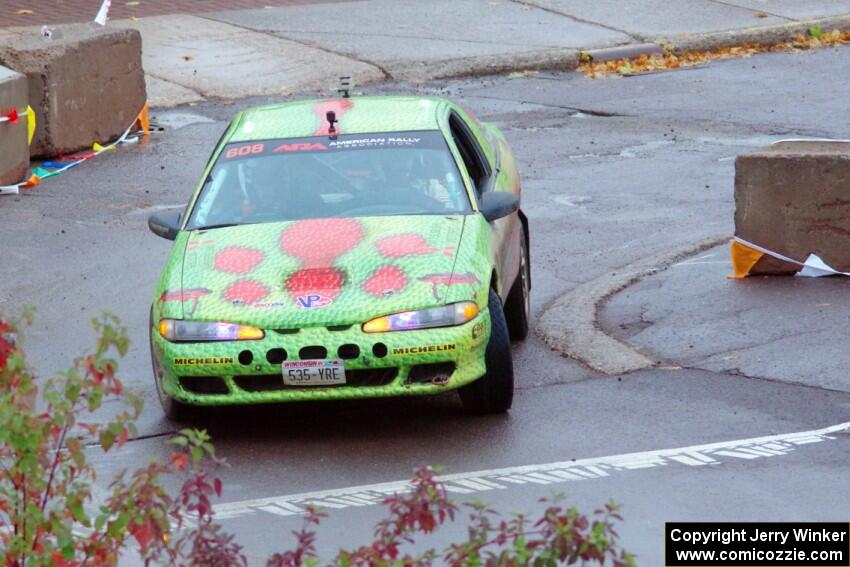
(143, 120)
(743, 259)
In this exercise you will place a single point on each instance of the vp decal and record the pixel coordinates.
(312, 301)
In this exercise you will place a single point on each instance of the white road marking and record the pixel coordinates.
(687, 460)
(550, 473)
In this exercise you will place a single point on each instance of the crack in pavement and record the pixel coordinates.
(738, 373)
(173, 82)
(144, 437)
(274, 33)
(705, 358)
(589, 111)
(271, 34)
(731, 5)
(550, 10)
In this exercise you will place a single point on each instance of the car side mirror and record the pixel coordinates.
(497, 204)
(165, 224)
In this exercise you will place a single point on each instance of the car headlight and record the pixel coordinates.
(445, 316)
(200, 331)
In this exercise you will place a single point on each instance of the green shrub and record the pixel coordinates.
(48, 515)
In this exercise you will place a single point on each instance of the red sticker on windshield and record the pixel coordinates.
(299, 148)
(243, 151)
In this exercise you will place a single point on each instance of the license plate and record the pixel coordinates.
(313, 372)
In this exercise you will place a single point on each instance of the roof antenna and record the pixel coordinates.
(331, 116)
(344, 87)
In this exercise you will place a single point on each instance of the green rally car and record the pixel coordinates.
(351, 248)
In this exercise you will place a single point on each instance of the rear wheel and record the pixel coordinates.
(494, 392)
(173, 410)
(518, 304)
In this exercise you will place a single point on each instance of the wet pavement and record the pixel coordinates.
(789, 329)
(613, 171)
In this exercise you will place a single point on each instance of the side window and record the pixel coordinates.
(470, 152)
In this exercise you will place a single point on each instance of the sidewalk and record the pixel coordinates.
(302, 46)
(20, 13)
(787, 329)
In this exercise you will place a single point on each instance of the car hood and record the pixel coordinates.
(334, 271)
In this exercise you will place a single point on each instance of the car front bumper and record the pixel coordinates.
(421, 362)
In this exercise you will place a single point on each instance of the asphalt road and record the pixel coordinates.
(614, 170)
(693, 315)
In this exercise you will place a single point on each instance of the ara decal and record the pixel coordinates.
(193, 295)
(408, 245)
(449, 279)
(302, 147)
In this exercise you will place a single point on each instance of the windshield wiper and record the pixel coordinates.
(212, 226)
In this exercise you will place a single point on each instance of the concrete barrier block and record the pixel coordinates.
(794, 198)
(85, 85)
(14, 153)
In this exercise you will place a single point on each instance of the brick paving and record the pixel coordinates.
(65, 11)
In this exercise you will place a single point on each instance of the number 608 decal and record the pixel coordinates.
(243, 151)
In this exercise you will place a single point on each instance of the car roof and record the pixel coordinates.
(355, 115)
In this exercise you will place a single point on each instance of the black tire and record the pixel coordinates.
(518, 303)
(173, 410)
(494, 392)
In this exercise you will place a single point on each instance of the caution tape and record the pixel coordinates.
(14, 114)
(745, 256)
(140, 127)
(11, 116)
(15, 189)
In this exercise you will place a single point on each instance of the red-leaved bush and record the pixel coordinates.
(49, 514)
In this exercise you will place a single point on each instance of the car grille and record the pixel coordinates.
(313, 353)
(371, 376)
(204, 384)
(260, 382)
(435, 373)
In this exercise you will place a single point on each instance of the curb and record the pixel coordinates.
(570, 324)
(763, 35)
(629, 51)
(569, 59)
(566, 59)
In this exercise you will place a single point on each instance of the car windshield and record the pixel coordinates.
(352, 175)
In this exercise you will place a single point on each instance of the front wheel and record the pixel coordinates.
(494, 392)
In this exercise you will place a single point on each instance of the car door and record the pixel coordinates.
(481, 160)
